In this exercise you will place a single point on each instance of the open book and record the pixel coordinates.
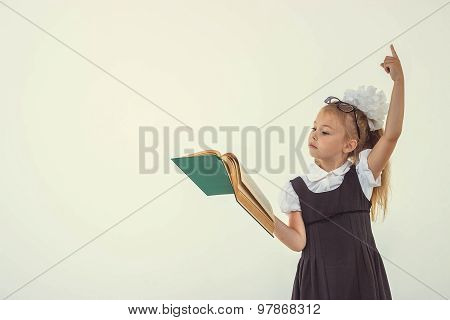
(218, 174)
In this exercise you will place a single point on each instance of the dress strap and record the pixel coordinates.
(346, 198)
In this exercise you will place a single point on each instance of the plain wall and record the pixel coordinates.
(70, 121)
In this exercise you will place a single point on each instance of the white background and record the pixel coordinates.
(70, 140)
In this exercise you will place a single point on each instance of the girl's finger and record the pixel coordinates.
(393, 51)
(386, 66)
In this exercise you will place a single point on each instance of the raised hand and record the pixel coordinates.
(392, 65)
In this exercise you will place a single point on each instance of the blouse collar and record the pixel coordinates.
(317, 173)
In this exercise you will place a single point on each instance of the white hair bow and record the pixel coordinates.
(371, 102)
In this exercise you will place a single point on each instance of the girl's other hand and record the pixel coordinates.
(393, 66)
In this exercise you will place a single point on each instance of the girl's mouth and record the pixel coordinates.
(311, 146)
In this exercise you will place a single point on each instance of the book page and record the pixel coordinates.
(254, 189)
(205, 152)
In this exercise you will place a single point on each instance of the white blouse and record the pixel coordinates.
(319, 180)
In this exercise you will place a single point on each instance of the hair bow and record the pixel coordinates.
(371, 102)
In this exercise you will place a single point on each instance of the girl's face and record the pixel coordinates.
(326, 140)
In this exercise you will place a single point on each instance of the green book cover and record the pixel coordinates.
(208, 172)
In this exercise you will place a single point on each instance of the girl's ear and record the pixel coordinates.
(350, 145)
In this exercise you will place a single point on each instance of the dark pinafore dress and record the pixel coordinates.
(340, 259)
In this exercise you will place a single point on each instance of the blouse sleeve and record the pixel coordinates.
(364, 172)
(288, 199)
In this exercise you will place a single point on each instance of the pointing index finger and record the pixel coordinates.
(394, 54)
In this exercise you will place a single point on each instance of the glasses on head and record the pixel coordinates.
(345, 107)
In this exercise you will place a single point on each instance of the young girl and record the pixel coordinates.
(330, 208)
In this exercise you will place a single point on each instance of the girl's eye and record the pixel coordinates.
(322, 131)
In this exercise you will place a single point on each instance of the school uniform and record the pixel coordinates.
(340, 259)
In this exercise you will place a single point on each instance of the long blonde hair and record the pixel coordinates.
(368, 140)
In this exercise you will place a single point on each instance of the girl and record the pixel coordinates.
(330, 208)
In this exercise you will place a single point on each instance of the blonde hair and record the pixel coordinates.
(368, 140)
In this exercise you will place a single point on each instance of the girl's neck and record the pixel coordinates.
(330, 165)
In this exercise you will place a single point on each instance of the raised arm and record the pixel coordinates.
(384, 148)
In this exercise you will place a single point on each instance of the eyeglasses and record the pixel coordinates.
(345, 107)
